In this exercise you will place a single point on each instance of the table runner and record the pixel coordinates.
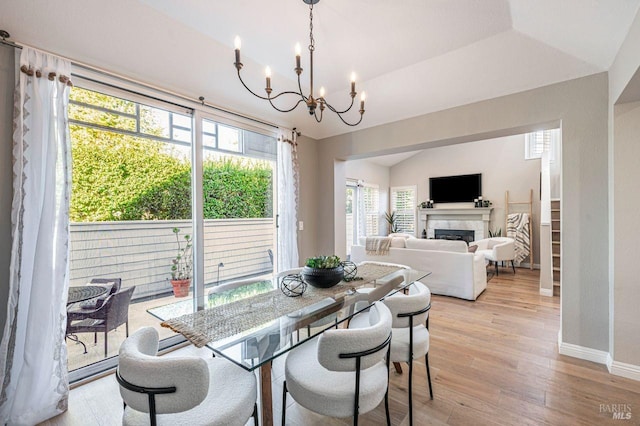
(232, 318)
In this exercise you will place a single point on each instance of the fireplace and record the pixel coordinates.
(455, 234)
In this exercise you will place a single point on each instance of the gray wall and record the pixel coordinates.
(6, 175)
(626, 296)
(503, 167)
(310, 186)
(624, 231)
(580, 106)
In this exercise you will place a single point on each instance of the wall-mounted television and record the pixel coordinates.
(455, 189)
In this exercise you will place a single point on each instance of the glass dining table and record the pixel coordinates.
(254, 324)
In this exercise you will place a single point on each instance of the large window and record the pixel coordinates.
(362, 212)
(134, 174)
(403, 203)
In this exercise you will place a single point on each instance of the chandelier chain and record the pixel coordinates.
(312, 42)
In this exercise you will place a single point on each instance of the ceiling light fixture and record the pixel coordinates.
(311, 102)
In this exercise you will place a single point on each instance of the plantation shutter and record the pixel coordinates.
(403, 203)
(538, 142)
(371, 208)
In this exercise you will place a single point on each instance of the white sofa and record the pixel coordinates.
(454, 271)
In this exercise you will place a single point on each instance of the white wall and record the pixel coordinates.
(372, 173)
(503, 167)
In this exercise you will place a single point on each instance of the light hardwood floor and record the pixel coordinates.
(493, 362)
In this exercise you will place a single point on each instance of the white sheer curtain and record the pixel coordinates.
(33, 355)
(287, 200)
(362, 211)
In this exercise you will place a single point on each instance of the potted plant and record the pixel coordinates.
(323, 271)
(182, 265)
(392, 220)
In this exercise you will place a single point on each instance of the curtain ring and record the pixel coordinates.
(38, 73)
(52, 76)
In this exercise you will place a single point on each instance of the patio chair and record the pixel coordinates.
(181, 390)
(81, 310)
(113, 313)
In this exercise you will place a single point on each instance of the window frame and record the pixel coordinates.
(409, 211)
(535, 143)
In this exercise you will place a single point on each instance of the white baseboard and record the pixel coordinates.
(622, 369)
(546, 292)
(617, 368)
(581, 352)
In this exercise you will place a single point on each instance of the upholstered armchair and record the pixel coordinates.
(343, 372)
(181, 390)
(497, 249)
(410, 333)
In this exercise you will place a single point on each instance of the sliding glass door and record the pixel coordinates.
(166, 204)
(238, 199)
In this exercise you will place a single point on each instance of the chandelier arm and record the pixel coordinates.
(300, 89)
(284, 110)
(251, 91)
(270, 98)
(288, 92)
(350, 124)
(340, 112)
(315, 115)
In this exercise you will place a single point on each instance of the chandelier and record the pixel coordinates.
(312, 103)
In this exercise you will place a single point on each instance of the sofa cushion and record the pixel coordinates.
(398, 242)
(401, 235)
(456, 246)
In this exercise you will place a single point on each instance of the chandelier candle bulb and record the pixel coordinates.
(353, 84)
(267, 72)
(321, 92)
(363, 96)
(237, 43)
(298, 51)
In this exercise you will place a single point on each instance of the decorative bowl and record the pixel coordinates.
(322, 277)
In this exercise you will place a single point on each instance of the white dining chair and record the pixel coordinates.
(410, 331)
(343, 372)
(185, 390)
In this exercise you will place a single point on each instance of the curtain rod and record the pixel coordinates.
(5, 35)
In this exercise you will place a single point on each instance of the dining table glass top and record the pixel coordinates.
(252, 324)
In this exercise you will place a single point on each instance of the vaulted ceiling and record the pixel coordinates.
(412, 56)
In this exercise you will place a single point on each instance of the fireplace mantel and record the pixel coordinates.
(476, 218)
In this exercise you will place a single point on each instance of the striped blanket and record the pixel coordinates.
(377, 245)
(518, 229)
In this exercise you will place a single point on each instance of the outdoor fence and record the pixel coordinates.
(140, 252)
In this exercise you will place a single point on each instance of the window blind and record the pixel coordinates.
(538, 142)
(403, 203)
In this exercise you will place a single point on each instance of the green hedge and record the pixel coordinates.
(120, 177)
